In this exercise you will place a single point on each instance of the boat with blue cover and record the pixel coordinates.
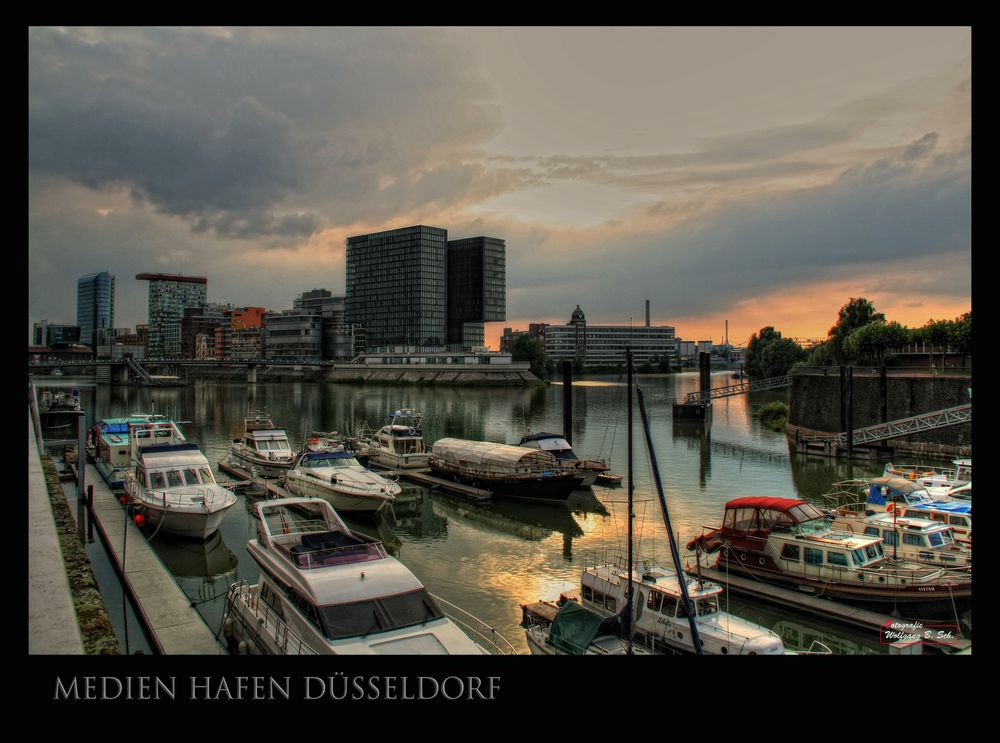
(339, 479)
(108, 446)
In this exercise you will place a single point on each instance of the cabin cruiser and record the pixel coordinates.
(921, 540)
(399, 444)
(108, 445)
(337, 477)
(908, 499)
(587, 467)
(326, 590)
(790, 542)
(941, 483)
(505, 470)
(171, 482)
(263, 448)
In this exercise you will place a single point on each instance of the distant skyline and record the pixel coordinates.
(759, 175)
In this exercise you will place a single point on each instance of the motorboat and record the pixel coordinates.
(505, 470)
(263, 448)
(575, 630)
(59, 413)
(171, 482)
(324, 589)
(921, 540)
(659, 620)
(905, 498)
(108, 445)
(941, 483)
(587, 467)
(399, 444)
(790, 542)
(339, 478)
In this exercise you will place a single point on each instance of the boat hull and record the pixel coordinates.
(267, 468)
(341, 501)
(184, 523)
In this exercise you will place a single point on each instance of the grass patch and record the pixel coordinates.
(774, 415)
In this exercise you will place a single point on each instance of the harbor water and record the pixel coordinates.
(491, 558)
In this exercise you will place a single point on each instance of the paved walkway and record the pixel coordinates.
(52, 624)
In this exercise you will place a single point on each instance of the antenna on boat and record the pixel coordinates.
(688, 605)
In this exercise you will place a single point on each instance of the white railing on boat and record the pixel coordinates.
(210, 497)
(481, 633)
(267, 620)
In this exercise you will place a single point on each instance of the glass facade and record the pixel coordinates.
(397, 286)
(477, 288)
(169, 296)
(95, 306)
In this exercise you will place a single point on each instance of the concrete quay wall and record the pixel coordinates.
(815, 407)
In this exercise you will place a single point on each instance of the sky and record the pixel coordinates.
(762, 176)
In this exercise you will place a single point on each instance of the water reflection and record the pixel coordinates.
(491, 558)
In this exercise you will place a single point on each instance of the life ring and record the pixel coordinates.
(313, 441)
(891, 508)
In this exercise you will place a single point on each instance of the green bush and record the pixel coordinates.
(774, 415)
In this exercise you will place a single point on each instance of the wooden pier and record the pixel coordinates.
(175, 627)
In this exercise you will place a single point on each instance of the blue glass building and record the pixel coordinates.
(95, 306)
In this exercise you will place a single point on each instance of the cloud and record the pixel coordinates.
(256, 132)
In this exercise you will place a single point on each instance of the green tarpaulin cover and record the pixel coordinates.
(573, 629)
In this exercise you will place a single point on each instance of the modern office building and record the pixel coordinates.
(397, 283)
(45, 333)
(169, 295)
(477, 289)
(605, 345)
(117, 343)
(199, 330)
(413, 288)
(314, 329)
(95, 306)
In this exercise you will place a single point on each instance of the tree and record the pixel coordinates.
(871, 341)
(855, 314)
(532, 350)
(770, 355)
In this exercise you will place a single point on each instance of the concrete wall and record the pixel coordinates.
(815, 405)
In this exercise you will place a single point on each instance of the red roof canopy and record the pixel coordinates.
(778, 504)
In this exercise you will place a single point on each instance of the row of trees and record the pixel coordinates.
(861, 335)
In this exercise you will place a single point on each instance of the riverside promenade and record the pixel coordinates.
(53, 628)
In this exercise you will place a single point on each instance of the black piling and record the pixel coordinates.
(567, 371)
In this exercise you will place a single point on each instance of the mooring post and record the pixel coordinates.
(850, 412)
(81, 471)
(90, 513)
(567, 371)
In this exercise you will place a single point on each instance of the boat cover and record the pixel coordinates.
(894, 487)
(488, 453)
(574, 628)
(314, 456)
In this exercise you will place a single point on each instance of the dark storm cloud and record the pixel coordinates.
(913, 205)
(243, 135)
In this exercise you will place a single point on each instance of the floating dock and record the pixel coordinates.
(174, 626)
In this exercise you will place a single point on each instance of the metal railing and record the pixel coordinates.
(481, 633)
(902, 427)
(265, 620)
(209, 497)
(755, 385)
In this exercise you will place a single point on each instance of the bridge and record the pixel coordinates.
(892, 429)
(695, 398)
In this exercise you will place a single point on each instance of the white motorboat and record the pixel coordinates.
(263, 448)
(921, 540)
(587, 468)
(171, 482)
(338, 478)
(399, 444)
(326, 590)
(941, 483)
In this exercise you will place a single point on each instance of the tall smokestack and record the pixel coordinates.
(727, 332)
(647, 313)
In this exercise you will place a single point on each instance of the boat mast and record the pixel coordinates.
(674, 554)
(627, 622)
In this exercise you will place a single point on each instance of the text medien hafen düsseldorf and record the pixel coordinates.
(339, 687)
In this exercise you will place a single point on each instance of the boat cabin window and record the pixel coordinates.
(157, 481)
(588, 594)
(889, 537)
(957, 521)
(940, 537)
(871, 531)
(790, 552)
(874, 551)
(191, 476)
(914, 540)
(707, 605)
(814, 556)
(836, 558)
(654, 601)
(378, 615)
(206, 476)
(174, 478)
(858, 556)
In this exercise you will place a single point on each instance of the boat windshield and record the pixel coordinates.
(340, 462)
(707, 605)
(812, 526)
(362, 618)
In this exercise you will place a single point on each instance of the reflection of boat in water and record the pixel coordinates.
(187, 558)
(523, 520)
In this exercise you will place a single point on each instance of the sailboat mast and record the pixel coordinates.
(627, 622)
(688, 605)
